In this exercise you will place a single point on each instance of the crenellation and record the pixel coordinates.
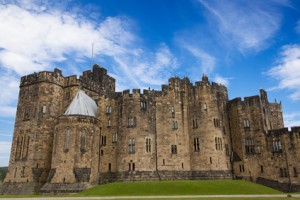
(183, 131)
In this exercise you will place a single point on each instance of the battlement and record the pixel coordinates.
(43, 76)
(278, 132)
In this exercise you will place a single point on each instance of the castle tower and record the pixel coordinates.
(136, 142)
(75, 158)
(39, 104)
(173, 158)
(209, 130)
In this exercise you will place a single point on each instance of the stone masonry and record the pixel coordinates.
(185, 131)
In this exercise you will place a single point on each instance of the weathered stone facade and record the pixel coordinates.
(184, 131)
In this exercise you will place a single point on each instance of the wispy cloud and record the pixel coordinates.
(291, 119)
(207, 61)
(222, 80)
(287, 70)
(35, 36)
(245, 24)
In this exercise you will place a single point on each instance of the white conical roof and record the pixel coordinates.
(82, 104)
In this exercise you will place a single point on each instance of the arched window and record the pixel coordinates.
(67, 139)
(83, 140)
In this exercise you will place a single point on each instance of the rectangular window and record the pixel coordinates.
(246, 123)
(143, 106)
(295, 172)
(217, 123)
(174, 149)
(109, 167)
(114, 137)
(131, 145)
(108, 109)
(67, 139)
(218, 143)
(173, 111)
(44, 109)
(249, 146)
(196, 144)
(131, 121)
(148, 145)
(103, 140)
(174, 125)
(277, 146)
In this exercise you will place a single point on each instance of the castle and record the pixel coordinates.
(71, 133)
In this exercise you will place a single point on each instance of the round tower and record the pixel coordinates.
(209, 130)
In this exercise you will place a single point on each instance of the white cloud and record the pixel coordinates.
(291, 119)
(287, 70)
(222, 80)
(9, 85)
(35, 36)
(4, 153)
(247, 24)
(207, 61)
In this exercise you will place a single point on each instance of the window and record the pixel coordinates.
(173, 111)
(205, 107)
(261, 168)
(195, 123)
(295, 172)
(242, 168)
(143, 105)
(114, 137)
(148, 145)
(131, 145)
(109, 123)
(44, 109)
(218, 143)
(131, 121)
(246, 123)
(83, 140)
(103, 140)
(277, 146)
(196, 144)
(67, 139)
(131, 166)
(216, 122)
(174, 149)
(108, 109)
(23, 171)
(249, 146)
(174, 125)
(109, 167)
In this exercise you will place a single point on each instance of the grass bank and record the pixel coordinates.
(184, 187)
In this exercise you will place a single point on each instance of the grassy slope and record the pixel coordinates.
(203, 187)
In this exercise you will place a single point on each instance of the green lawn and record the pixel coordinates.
(196, 187)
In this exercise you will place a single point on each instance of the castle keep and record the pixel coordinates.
(71, 133)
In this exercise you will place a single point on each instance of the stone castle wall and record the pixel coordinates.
(184, 131)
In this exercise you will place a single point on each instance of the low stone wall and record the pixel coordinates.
(59, 188)
(20, 188)
(284, 187)
(163, 175)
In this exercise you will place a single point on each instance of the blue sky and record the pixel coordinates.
(246, 45)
